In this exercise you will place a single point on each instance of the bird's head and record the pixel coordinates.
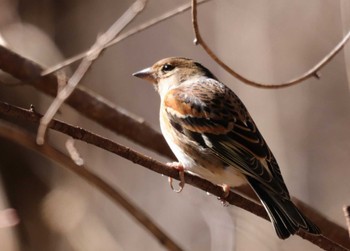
(169, 73)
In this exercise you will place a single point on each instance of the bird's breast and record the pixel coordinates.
(195, 159)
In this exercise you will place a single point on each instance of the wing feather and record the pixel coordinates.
(211, 115)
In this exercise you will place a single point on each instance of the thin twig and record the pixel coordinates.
(88, 103)
(334, 237)
(61, 81)
(313, 72)
(86, 63)
(346, 210)
(123, 36)
(23, 138)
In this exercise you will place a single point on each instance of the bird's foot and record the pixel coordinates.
(226, 189)
(181, 170)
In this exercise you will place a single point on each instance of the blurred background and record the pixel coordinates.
(306, 126)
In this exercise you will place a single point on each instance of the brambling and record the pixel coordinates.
(213, 136)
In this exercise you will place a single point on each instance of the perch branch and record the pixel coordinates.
(10, 132)
(313, 72)
(88, 103)
(124, 36)
(86, 63)
(333, 235)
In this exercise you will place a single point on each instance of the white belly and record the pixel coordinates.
(211, 168)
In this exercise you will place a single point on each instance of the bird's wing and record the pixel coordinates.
(210, 114)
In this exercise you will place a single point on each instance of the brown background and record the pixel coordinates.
(306, 126)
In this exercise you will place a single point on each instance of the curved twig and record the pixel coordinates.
(313, 72)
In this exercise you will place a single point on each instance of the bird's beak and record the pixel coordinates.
(146, 74)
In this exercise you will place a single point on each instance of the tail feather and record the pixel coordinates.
(285, 216)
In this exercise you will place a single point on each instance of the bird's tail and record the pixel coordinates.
(284, 215)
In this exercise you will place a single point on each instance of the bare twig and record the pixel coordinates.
(123, 36)
(88, 103)
(61, 81)
(313, 72)
(86, 63)
(333, 235)
(21, 137)
(346, 210)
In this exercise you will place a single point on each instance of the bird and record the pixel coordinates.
(213, 136)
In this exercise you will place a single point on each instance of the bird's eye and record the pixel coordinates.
(167, 67)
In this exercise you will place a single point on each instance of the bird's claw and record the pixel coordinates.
(226, 189)
(181, 170)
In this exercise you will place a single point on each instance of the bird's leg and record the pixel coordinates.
(181, 170)
(226, 188)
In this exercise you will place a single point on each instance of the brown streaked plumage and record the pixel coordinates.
(213, 136)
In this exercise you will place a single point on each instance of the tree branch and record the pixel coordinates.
(88, 103)
(333, 235)
(313, 72)
(94, 53)
(18, 136)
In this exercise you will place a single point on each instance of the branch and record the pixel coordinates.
(313, 72)
(88, 103)
(10, 132)
(66, 90)
(123, 36)
(333, 235)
